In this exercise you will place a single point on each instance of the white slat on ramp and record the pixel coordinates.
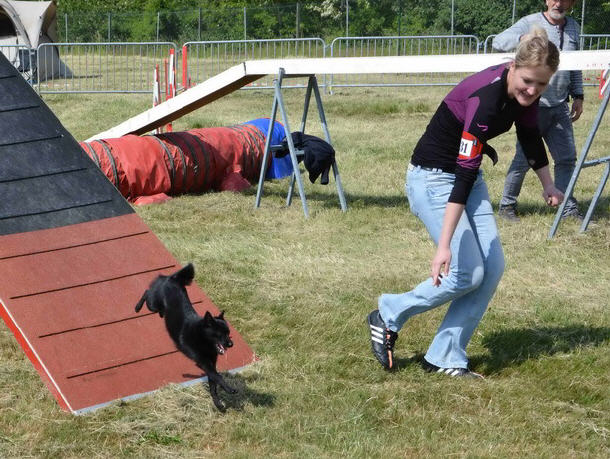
(246, 72)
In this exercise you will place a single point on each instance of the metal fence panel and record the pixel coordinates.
(103, 67)
(402, 46)
(22, 57)
(128, 67)
(594, 41)
(208, 58)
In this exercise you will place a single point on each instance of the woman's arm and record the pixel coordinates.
(552, 196)
(442, 258)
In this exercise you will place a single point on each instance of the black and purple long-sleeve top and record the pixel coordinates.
(476, 110)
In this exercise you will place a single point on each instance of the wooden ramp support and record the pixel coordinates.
(74, 261)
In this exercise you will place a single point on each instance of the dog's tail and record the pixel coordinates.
(185, 275)
(141, 302)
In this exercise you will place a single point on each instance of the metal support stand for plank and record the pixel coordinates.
(278, 102)
(582, 164)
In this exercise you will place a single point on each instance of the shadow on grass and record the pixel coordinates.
(412, 362)
(244, 393)
(602, 209)
(511, 347)
(330, 199)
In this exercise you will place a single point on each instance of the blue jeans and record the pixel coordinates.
(477, 264)
(556, 128)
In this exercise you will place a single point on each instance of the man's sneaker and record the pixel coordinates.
(463, 372)
(508, 213)
(382, 340)
(572, 212)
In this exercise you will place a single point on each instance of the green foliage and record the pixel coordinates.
(190, 20)
(481, 18)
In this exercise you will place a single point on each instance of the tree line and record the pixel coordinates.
(189, 20)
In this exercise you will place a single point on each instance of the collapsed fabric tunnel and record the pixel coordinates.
(151, 168)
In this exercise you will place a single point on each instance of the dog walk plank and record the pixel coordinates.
(74, 261)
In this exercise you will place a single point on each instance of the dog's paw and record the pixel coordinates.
(220, 406)
(228, 389)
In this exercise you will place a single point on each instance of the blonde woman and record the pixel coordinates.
(446, 191)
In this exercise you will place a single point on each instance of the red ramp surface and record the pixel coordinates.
(74, 261)
(70, 303)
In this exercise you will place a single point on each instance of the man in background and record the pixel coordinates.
(555, 117)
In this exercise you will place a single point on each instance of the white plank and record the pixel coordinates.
(246, 72)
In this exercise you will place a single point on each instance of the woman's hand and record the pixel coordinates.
(442, 259)
(552, 196)
(440, 265)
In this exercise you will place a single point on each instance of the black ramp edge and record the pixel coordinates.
(49, 193)
(8, 70)
(37, 158)
(11, 98)
(18, 126)
(46, 178)
(64, 217)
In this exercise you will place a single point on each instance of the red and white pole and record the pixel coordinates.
(171, 82)
(185, 73)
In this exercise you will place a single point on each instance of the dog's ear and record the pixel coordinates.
(221, 316)
(207, 318)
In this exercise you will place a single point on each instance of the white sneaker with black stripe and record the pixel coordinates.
(382, 340)
(463, 372)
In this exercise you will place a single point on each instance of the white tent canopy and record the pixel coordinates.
(27, 25)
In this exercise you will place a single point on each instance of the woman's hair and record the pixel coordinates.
(535, 49)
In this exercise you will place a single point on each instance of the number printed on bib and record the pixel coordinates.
(470, 146)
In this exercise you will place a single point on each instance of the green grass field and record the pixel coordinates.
(299, 290)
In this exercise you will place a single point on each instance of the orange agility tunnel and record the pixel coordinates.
(152, 168)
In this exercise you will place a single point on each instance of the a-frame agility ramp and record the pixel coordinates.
(74, 260)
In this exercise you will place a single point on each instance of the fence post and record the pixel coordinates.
(347, 18)
(298, 19)
(245, 23)
(158, 23)
(399, 16)
(199, 26)
(66, 22)
(582, 18)
(109, 24)
(452, 14)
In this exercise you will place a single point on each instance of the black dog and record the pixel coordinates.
(201, 339)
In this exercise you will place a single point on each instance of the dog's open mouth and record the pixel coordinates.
(220, 348)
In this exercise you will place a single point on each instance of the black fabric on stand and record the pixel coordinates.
(318, 156)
